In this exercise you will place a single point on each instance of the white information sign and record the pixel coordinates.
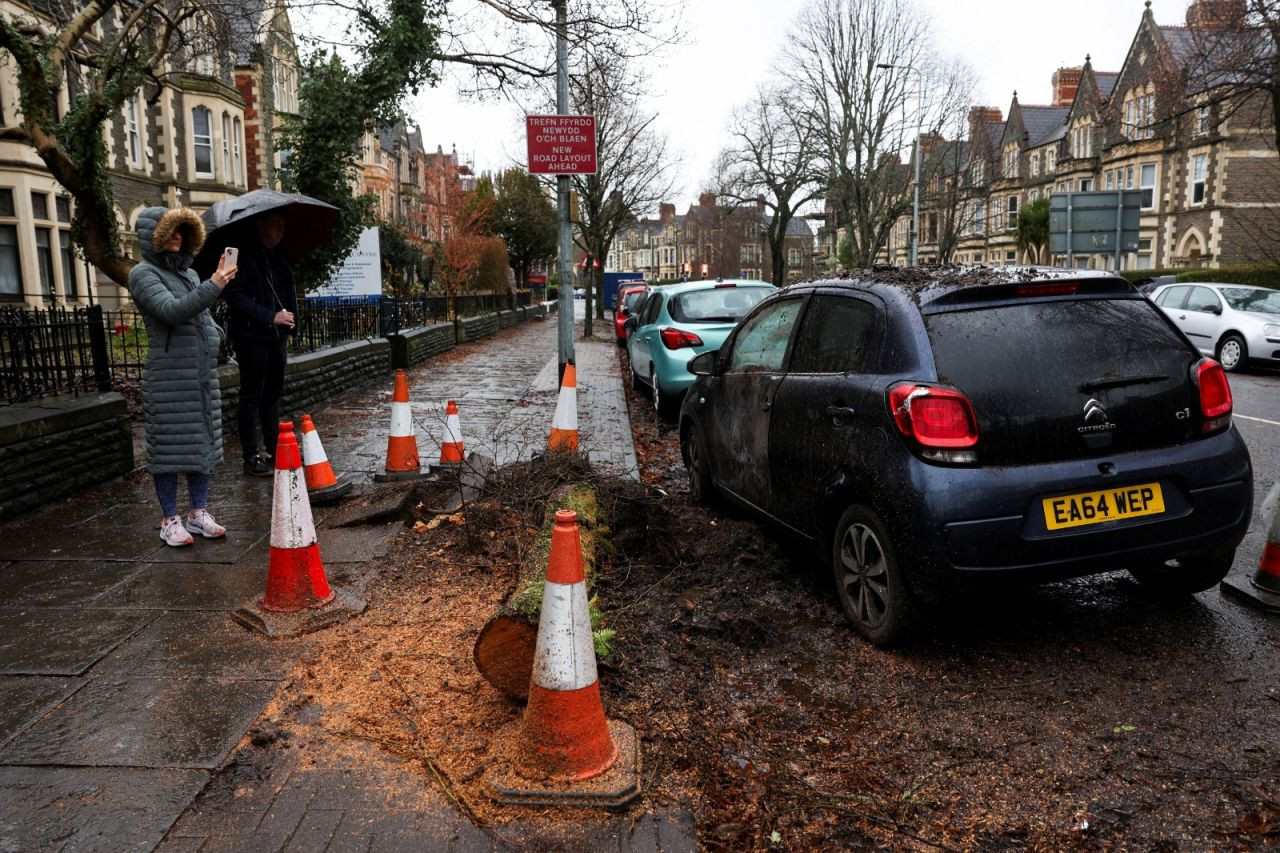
(361, 273)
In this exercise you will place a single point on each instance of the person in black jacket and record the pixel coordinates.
(263, 302)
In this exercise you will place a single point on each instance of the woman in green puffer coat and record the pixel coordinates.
(181, 404)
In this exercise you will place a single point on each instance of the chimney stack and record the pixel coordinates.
(707, 200)
(1216, 14)
(1066, 82)
(666, 212)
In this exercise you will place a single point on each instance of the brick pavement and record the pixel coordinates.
(124, 685)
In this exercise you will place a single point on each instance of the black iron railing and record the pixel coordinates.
(45, 353)
(48, 352)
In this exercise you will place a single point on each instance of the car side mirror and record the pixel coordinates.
(624, 311)
(631, 325)
(705, 364)
(1215, 309)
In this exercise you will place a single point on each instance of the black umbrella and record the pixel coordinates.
(308, 224)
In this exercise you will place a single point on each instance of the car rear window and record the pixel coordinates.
(1248, 299)
(631, 299)
(1031, 369)
(718, 305)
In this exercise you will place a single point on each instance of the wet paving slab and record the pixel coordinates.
(25, 699)
(207, 644)
(60, 583)
(124, 532)
(224, 550)
(62, 641)
(101, 809)
(188, 586)
(144, 722)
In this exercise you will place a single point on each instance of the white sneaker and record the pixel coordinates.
(199, 521)
(173, 533)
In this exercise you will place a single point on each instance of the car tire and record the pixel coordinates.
(870, 584)
(663, 403)
(693, 450)
(1232, 352)
(1187, 575)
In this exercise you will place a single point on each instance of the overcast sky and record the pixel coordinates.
(1010, 44)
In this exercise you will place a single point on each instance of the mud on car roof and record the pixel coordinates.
(929, 284)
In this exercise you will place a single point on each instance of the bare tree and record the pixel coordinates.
(771, 160)
(635, 170)
(871, 79)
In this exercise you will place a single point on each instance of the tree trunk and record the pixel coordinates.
(505, 647)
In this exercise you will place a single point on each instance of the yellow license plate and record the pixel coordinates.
(1106, 505)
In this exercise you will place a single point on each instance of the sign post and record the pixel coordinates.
(1094, 223)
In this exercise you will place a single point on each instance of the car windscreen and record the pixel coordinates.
(718, 305)
(1251, 300)
(629, 300)
(1031, 370)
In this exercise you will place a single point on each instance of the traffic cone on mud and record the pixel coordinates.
(1263, 588)
(563, 751)
(402, 448)
(322, 485)
(451, 449)
(564, 426)
(298, 597)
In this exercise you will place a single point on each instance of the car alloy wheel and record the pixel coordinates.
(864, 576)
(1231, 353)
(655, 390)
(869, 580)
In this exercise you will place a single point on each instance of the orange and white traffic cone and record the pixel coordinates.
(322, 485)
(564, 425)
(564, 739)
(451, 449)
(402, 448)
(1263, 588)
(298, 597)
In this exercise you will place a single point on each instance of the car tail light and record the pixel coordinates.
(1215, 395)
(724, 284)
(1051, 289)
(678, 338)
(940, 420)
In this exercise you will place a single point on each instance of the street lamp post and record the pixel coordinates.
(564, 265)
(915, 201)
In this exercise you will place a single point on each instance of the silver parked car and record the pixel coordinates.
(1235, 323)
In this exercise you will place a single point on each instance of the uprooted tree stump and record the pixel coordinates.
(505, 648)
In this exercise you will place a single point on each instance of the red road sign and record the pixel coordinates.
(561, 145)
(536, 278)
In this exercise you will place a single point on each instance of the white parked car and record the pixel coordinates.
(1235, 323)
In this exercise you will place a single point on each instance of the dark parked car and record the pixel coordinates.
(928, 429)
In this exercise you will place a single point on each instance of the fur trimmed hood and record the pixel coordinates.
(157, 225)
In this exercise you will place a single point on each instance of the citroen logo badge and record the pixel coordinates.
(1094, 412)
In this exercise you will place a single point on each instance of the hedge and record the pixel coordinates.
(1260, 276)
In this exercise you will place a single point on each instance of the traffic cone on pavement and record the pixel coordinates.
(451, 450)
(564, 426)
(564, 739)
(402, 448)
(298, 597)
(322, 485)
(1263, 589)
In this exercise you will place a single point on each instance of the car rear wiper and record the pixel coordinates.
(1120, 381)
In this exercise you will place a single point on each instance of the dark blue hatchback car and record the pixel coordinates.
(931, 427)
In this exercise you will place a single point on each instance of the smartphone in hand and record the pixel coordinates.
(231, 257)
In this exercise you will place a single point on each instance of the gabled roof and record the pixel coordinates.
(1040, 123)
(1106, 81)
(796, 227)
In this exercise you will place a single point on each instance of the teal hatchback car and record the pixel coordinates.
(679, 321)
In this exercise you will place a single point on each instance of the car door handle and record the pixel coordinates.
(840, 412)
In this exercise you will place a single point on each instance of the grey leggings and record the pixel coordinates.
(167, 492)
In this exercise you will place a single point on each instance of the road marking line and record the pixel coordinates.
(1259, 420)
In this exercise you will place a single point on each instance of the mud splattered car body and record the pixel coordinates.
(927, 429)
